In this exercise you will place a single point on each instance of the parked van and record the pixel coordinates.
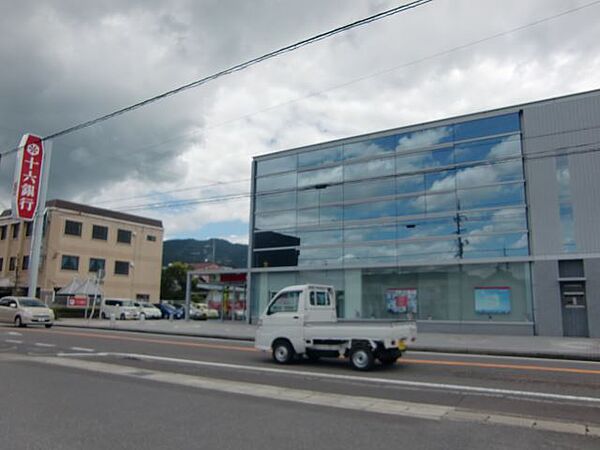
(122, 309)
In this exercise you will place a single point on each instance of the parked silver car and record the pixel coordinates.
(23, 311)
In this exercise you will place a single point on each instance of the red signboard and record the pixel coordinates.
(28, 175)
(77, 301)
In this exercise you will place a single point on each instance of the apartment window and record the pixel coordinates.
(28, 228)
(72, 228)
(151, 238)
(143, 297)
(97, 264)
(69, 262)
(100, 232)
(121, 267)
(12, 264)
(124, 236)
(1, 264)
(2, 232)
(15, 230)
(25, 264)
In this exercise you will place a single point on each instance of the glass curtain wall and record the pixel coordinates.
(436, 194)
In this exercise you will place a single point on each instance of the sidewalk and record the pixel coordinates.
(533, 346)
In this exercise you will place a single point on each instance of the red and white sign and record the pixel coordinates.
(28, 176)
(77, 301)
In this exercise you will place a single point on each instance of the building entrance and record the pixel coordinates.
(574, 309)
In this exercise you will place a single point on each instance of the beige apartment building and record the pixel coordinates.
(78, 241)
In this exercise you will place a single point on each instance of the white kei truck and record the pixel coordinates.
(301, 321)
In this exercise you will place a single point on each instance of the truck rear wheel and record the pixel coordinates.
(283, 352)
(361, 358)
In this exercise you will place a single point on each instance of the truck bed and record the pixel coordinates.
(360, 329)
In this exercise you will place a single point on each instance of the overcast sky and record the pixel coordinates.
(68, 61)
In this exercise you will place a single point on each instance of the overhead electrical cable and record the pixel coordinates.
(239, 67)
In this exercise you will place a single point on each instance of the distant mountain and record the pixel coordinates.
(194, 251)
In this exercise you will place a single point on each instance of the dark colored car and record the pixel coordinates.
(168, 310)
(195, 313)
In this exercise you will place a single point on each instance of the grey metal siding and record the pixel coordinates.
(568, 124)
(546, 299)
(592, 288)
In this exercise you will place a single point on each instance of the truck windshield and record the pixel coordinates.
(286, 302)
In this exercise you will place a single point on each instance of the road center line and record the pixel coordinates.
(13, 341)
(483, 365)
(43, 344)
(363, 379)
(82, 349)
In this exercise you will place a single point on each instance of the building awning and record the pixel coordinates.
(81, 287)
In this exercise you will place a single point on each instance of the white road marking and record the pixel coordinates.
(363, 379)
(82, 349)
(358, 403)
(13, 341)
(14, 333)
(43, 344)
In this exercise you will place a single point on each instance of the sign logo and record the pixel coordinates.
(28, 175)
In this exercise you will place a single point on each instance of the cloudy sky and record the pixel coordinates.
(64, 62)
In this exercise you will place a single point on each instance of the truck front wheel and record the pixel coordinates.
(361, 358)
(283, 352)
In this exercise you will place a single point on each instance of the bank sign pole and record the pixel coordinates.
(29, 195)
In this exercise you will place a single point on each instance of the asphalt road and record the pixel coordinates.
(77, 389)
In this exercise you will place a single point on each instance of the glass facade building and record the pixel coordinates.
(429, 221)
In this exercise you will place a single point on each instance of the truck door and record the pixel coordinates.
(284, 319)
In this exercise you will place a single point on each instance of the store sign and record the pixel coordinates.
(77, 301)
(28, 175)
(401, 301)
(492, 300)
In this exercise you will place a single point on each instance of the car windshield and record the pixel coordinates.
(127, 303)
(31, 303)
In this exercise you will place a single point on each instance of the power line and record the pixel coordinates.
(239, 67)
(369, 76)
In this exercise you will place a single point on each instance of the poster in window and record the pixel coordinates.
(492, 300)
(401, 301)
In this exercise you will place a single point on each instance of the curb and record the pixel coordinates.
(432, 349)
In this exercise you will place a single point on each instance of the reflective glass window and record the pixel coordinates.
(488, 149)
(410, 183)
(276, 258)
(370, 254)
(444, 180)
(276, 182)
(319, 216)
(410, 205)
(370, 147)
(489, 174)
(274, 220)
(373, 233)
(324, 237)
(276, 165)
(320, 256)
(367, 189)
(424, 138)
(371, 210)
(487, 127)
(369, 169)
(272, 202)
(271, 239)
(319, 196)
(320, 176)
(427, 250)
(505, 219)
(443, 226)
(425, 160)
(493, 196)
(319, 157)
(495, 245)
(440, 202)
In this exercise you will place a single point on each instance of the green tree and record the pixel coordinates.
(172, 283)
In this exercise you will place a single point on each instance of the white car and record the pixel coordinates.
(121, 308)
(147, 310)
(23, 311)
